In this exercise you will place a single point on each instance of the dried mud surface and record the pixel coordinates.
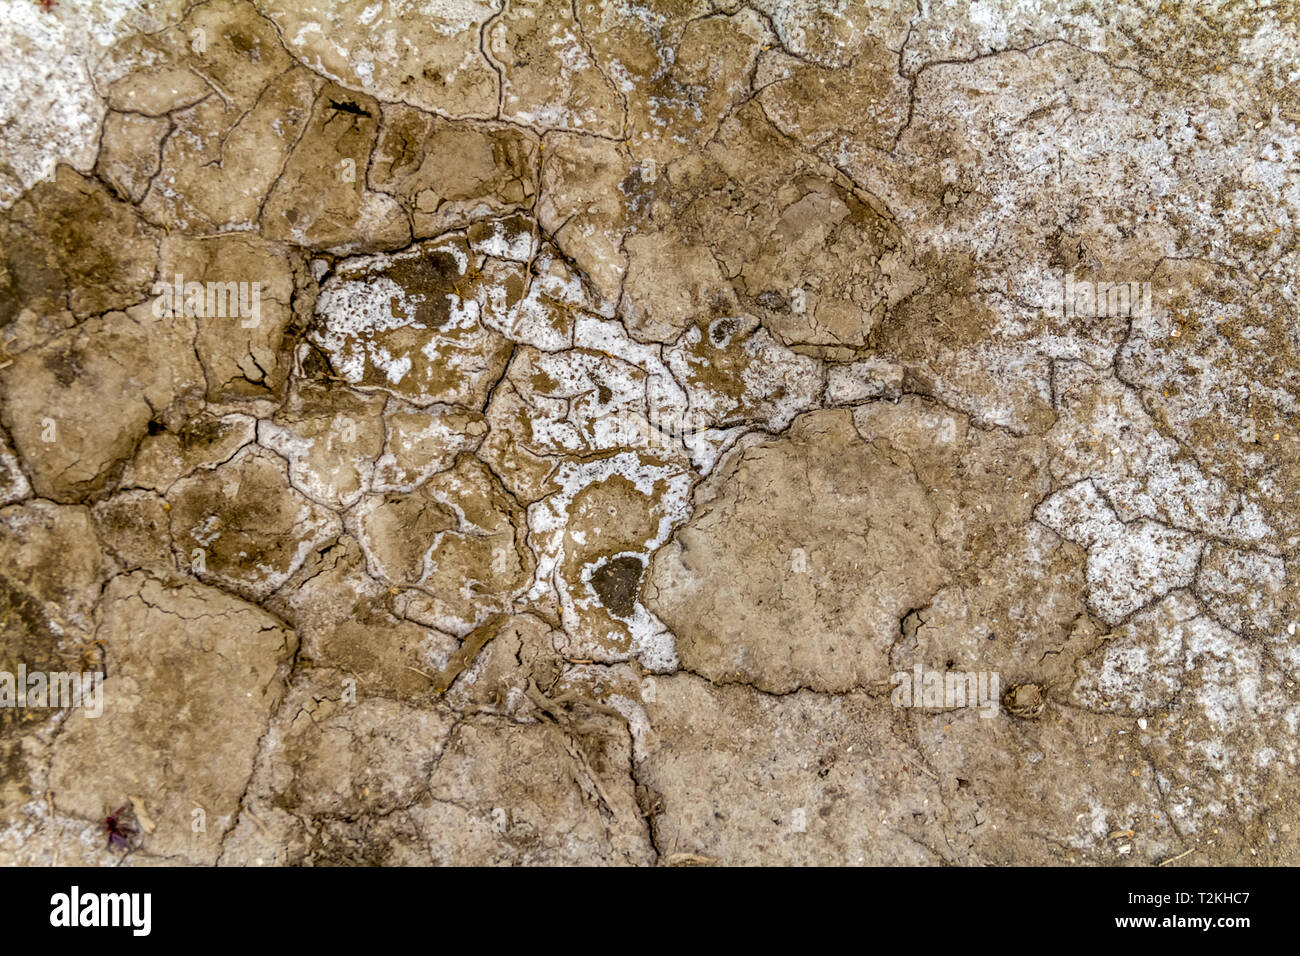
(635, 389)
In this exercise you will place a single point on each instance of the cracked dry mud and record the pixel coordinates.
(634, 390)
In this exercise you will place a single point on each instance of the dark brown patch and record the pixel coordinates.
(617, 583)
